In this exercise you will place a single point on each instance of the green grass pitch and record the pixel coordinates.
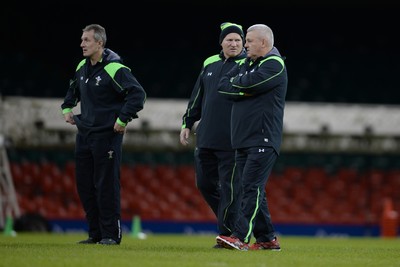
(164, 250)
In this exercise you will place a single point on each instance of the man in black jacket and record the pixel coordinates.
(110, 97)
(214, 155)
(258, 88)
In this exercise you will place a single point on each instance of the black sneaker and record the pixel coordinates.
(90, 240)
(108, 241)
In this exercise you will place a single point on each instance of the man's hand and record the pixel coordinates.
(184, 136)
(119, 129)
(69, 118)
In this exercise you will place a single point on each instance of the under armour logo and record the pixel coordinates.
(110, 154)
(209, 73)
(266, 140)
(261, 150)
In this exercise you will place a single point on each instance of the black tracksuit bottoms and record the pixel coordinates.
(98, 160)
(221, 189)
(254, 165)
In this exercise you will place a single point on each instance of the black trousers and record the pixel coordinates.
(254, 165)
(98, 161)
(219, 186)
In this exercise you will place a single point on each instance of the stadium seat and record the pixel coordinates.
(303, 194)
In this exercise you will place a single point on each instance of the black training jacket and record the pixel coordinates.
(258, 90)
(211, 109)
(106, 91)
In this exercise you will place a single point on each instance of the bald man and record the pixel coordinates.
(257, 86)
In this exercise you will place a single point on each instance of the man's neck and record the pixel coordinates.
(96, 57)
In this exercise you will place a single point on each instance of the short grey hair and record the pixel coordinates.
(264, 31)
(99, 32)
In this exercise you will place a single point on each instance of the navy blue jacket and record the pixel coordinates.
(211, 109)
(258, 90)
(106, 91)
